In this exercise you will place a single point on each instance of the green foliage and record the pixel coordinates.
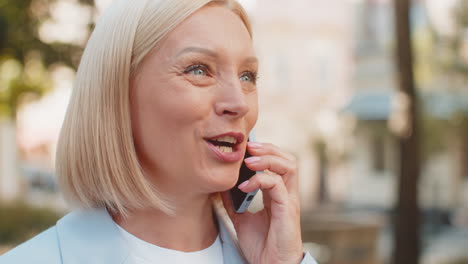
(20, 82)
(434, 135)
(461, 20)
(20, 21)
(461, 13)
(447, 51)
(451, 69)
(19, 222)
(423, 48)
(19, 32)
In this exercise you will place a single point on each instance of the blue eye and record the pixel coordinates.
(245, 78)
(249, 77)
(199, 70)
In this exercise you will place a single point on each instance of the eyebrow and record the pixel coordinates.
(211, 53)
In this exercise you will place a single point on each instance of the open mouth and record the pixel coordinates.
(227, 147)
(225, 143)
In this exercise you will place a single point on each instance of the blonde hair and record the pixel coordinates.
(96, 162)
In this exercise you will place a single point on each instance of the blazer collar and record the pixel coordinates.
(91, 236)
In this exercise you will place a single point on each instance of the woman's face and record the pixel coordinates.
(195, 90)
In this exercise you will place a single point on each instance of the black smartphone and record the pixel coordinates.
(240, 199)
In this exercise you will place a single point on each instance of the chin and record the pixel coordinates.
(223, 180)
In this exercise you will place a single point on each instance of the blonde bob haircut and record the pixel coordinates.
(96, 161)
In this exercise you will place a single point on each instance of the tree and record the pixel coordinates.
(25, 63)
(407, 220)
(25, 58)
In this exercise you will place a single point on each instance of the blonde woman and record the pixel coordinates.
(160, 83)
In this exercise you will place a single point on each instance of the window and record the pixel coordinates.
(378, 152)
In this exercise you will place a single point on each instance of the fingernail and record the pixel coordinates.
(254, 144)
(252, 159)
(242, 185)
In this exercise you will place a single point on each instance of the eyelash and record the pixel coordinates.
(196, 66)
(253, 75)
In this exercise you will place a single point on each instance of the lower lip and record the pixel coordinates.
(234, 156)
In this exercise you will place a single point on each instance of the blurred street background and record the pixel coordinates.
(370, 95)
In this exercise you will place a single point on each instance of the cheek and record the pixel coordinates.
(166, 112)
(252, 115)
(174, 104)
(166, 121)
(185, 109)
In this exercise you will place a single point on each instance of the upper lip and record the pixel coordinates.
(238, 136)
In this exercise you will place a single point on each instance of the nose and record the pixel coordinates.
(232, 100)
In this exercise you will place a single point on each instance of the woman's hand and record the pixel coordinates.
(272, 235)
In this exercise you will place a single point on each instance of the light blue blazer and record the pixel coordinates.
(91, 236)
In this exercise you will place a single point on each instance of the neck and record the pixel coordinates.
(192, 228)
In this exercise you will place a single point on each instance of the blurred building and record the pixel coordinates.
(373, 163)
(327, 85)
(372, 158)
(305, 77)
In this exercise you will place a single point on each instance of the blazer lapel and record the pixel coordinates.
(231, 251)
(90, 236)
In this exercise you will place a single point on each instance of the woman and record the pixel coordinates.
(160, 84)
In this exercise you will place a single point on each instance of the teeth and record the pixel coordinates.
(225, 148)
(228, 139)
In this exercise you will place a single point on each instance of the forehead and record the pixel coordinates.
(212, 27)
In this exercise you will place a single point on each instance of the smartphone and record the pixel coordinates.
(240, 199)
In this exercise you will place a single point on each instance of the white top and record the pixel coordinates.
(143, 252)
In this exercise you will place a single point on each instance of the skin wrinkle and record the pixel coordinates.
(171, 113)
(173, 110)
(249, 60)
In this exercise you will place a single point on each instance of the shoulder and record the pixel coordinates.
(84, 236)
(43, 248)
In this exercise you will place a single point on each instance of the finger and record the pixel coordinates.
(277, 165)
(272, 163)
(266, 203)
(270, 184)
(267, 199)
(257, 148)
